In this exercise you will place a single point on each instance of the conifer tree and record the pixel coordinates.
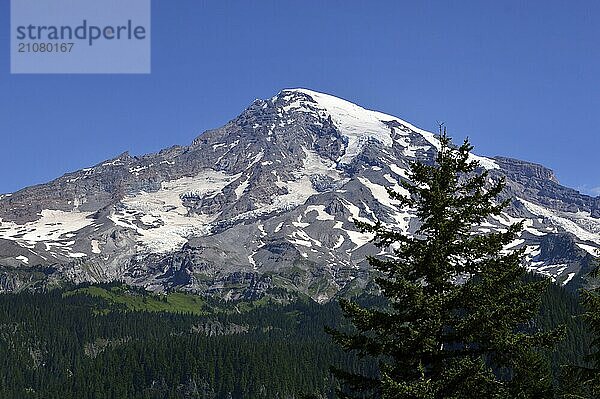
(460, 320)
(583, 381)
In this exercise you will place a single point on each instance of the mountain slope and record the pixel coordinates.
(265, 201)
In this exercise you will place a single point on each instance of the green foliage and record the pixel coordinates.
(135, 300)
(461, 317)
(80, 344)
(73, 345)
(582, 379)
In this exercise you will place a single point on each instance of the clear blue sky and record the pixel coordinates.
(521, 78)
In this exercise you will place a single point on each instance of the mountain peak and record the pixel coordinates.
(354, 122)
(265, 201)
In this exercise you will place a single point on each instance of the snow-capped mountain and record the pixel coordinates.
(266, 202)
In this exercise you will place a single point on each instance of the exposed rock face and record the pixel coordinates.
(213, 328)
(516, 169)
(539, 183)
(265, 202)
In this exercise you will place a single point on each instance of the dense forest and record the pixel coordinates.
(80, 344)
(113, 341)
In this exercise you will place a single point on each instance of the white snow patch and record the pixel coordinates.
(551, 271)
(149, 220)
(314, 164)
(299, 223)
(411, 150)
(242, 188)
(569, 278)
(339, 243)
(580, 224)
(589, 248)
(76, 255)
(398, 170)
(166, 206)
(136, 170)
(252, 261)
(354, 213)
(321, 213)
(278, 228)
(52, 226)
(302, 234)
(359, 238)
(532, 251)
(380, 193)
(485, 163)
(116, 162)
(256, 159)
(515, 243)
(298, 241)
(95, 247)
(261, 228)
(23, 259)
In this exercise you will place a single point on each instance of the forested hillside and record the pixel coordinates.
(113, 341)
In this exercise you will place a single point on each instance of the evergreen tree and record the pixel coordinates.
(460, 320)
(583, 380)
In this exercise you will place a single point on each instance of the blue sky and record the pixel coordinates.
(519, 78)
